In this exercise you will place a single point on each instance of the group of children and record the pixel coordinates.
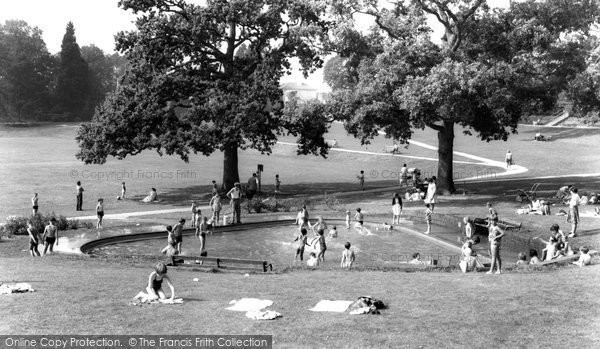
(319, 242)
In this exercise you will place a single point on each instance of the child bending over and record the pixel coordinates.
(155, 281)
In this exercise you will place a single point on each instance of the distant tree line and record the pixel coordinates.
(38, 86)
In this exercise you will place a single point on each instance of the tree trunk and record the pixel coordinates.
(230, 166)
(445, 181)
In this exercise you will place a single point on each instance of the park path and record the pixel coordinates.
(516, 169)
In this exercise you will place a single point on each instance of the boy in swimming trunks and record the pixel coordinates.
(50, 236)
(34, 203)
(322, 246)
(178, 234)
(358, 217)
(155, 281)
(100, 213)
(171, 244)
(33, 240)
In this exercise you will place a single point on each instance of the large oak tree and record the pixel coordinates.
(491, 67)
(205, 78)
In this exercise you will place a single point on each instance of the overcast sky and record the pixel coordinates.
(96, 21)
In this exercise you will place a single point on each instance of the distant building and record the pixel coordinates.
(304, 92)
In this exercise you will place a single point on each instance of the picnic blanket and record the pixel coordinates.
(16, 288)
(332, 306)
(249, 304)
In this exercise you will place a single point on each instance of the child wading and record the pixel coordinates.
(347, 256)
(301, 242)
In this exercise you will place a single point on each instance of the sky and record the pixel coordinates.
(96, 22)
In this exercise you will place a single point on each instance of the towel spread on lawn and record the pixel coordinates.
(16, 288)
(332, 306)
(144, 298)
(249, 304)
(254, 308)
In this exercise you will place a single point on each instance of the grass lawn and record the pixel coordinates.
(426, 309)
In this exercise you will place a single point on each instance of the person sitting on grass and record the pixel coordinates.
(536, 206)
(347, 257)
(301, 238)
(153, 196)
(33, 240)
(155, 281)
(416, 259)
(533, 257)
(522, 261)
(313, 261)
(584, 258)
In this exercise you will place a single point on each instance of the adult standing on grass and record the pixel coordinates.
(79, 191)
(573, 216)
(235, 195)
(404, 175)
(361, 180)
(34, 203)
(50, 236)
(252, 186)
(494, 237)
(178, 234)
(509, 159)
(396, 208)
(431, 196)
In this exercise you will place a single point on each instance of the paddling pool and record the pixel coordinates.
(275, 243)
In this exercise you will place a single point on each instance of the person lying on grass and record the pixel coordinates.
(155, 281)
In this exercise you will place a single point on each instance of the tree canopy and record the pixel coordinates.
(491, 67)
(25, 71)
(205, 78)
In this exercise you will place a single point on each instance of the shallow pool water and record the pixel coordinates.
(373, 247)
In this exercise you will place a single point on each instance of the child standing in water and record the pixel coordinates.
(347, 219)
(358, 217)
(201, 230)
(347, 256)
(155, 281)
(301, 238)
(322, 246)
(216, 206)
(194, 213)
(100, 213)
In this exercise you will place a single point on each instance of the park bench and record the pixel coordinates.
(222, 263)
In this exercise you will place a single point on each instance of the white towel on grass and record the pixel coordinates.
(249, 304)
(16, 288)
(262, 315)
(332, 306)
